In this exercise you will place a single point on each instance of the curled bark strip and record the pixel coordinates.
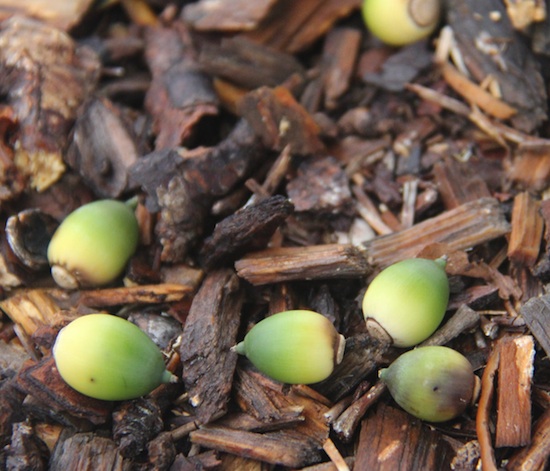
(484, 408)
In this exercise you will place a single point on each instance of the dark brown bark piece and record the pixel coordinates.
(248, 64)
(281, 121)
(11, 411)
(26, 450)
(392, 440)
(493, 48)
(209, 333)
(244, 231)
(180, 94)
(531, 165)
(103, 148)
(181, 185)
(45, 77)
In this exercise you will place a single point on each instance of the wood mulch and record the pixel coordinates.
(281, 157)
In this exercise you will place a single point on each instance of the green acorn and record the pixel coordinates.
(107, 357)
(401, 22)
(295, 347)
(433, 383)
(93, 244)
(406, 302)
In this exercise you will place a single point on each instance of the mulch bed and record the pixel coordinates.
(281, 157)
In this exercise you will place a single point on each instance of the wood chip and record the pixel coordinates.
(527, 228)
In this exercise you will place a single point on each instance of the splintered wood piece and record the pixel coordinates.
(143, 294)
(461, 228)
(458, 184)
(527, 229)
(531, 165)
(340, 53)
(391, 439)
(280, 120)
(476, 95)
(246, 230)
(302, 263)
(535, 456)
(515, 375)
(280, 448)
(86, 451)
(536, 313)
(466, 226)
(209, 332)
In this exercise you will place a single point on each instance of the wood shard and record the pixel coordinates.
(391, 439)
(531, 165)
(276, 447)
(527, 229)
(209, 333)
(536, 313)
(515, 374)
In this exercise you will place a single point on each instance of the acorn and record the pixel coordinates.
(294, 347)
(106, 357)
(433, 383)
(401, 22)
(93, 244)
(406, 302)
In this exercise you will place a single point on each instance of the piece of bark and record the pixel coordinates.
(226, 15)
(515, 375)
(11, 410)
(46, 78)
(458, 184)
(208, 460)
(392, 440)
(531, 165)
(172, 177)
(280, 121)
(481, 42)
(248, 64)
(43, 382)
(26, 450)
(301, 263)
(536, 313)
(103, 148)
(209, 332)
(180, 94)
(527, 228)
(246, 230)
(340, 52)
(12, 183)
(535, 456)
(466, 226)
(294, 27)
(161, 451)
(277, 448)
(135, 423)
(87, 451)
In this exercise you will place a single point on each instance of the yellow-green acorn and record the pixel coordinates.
(406, 302)
(433, 383)
(401, 22)
(93, 244)
(295, 347)
(106, 357)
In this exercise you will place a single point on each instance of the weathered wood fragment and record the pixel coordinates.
(280, 121)
(392, 440)
(527, 227)
(44, 71)
(246, 230)
(515, 375)
(248, 64)
(26, 450)
(274, 447)
(209, 333)
(531, 165)
(536, 313)
(535, 456)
